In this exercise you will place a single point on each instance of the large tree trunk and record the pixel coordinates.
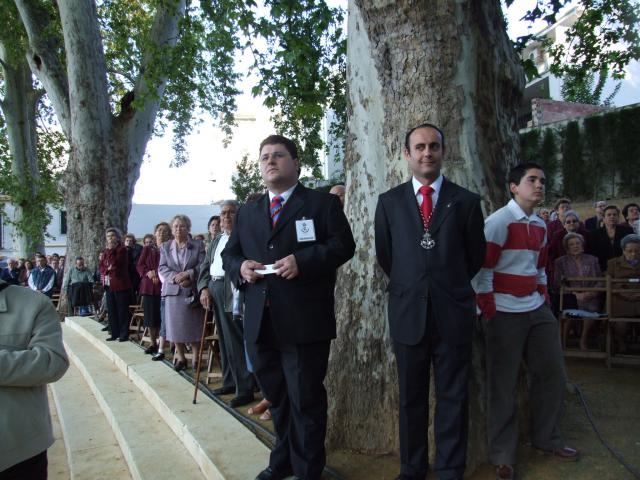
(19, 109)
(449, 63)
(106, 151)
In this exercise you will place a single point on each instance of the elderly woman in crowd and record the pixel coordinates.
(626, 266)
(604, 242)
(576, 263)
(179, 261)
(115, 268)
(571, 224)
(150, 285)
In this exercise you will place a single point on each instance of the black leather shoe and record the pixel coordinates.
(180, 366)
(105, 329)
(241, 400)
(273, 474)
(150, 350)
(158, 356)
(224, 391)
(123, 339)
(111, 339)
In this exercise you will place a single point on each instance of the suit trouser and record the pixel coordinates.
(34, 468)
(451, 373)
(227, 377)
(231, 335)
(291, 376)
(510, 338)
(118, 311)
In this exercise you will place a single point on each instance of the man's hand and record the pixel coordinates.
(151, 274)
(247, 271)
(287, 267)
(205, 298)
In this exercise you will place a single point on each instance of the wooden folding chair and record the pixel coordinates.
(564, 318)
(614, 285)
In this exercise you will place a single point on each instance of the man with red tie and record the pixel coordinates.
(430, 243)
(284, 253)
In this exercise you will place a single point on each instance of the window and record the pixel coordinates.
(1, 232)
(63, 222)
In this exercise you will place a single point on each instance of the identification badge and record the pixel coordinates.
(305, 230)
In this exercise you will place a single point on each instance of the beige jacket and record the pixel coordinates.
(31, 355)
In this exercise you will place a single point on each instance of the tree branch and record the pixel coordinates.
(43, 60)
(163, 34)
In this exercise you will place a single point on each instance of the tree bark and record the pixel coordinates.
(106, 151)
(449, 63)
(19, 109)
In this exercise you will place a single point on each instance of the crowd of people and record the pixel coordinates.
(587, 249)
(267, 271)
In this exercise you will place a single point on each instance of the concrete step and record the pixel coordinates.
(58, 465)
(220, 445)
(92, 450)
(149, 447)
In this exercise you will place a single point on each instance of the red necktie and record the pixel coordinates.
(427, 204)
(275, 208)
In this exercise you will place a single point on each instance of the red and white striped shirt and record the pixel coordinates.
(513, 278)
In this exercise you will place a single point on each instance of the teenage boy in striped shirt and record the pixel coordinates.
(512, 296)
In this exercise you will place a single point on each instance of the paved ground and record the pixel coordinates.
(612, 395)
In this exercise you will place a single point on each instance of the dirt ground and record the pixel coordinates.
(613, 397)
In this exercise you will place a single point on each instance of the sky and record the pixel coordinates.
(206, 178)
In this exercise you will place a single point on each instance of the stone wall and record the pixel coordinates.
(544, 111)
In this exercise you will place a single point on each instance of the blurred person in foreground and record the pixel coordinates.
(31, 356)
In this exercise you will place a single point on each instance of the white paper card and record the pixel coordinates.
(305, 230)
(268, 269)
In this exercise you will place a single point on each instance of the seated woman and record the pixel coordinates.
(178, 271)
(571, 224)
(78, 286)
(626, 266)
(578, 264)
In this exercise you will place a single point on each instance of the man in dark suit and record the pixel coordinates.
(430, 242)
(303, 237)
(214, 284)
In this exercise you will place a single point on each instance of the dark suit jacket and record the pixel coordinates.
(598, 244)
(301, 309)
(204, 276)
(442, 274)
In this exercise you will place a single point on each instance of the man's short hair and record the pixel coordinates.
(288, 144)
(131, 236)
(518, 172)
(233, 203)
(422, 125)
(114, 230)
(55, 255)
(611, 207)
(561, 201)
(162, 224)
(625, 209)
(79, 258)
